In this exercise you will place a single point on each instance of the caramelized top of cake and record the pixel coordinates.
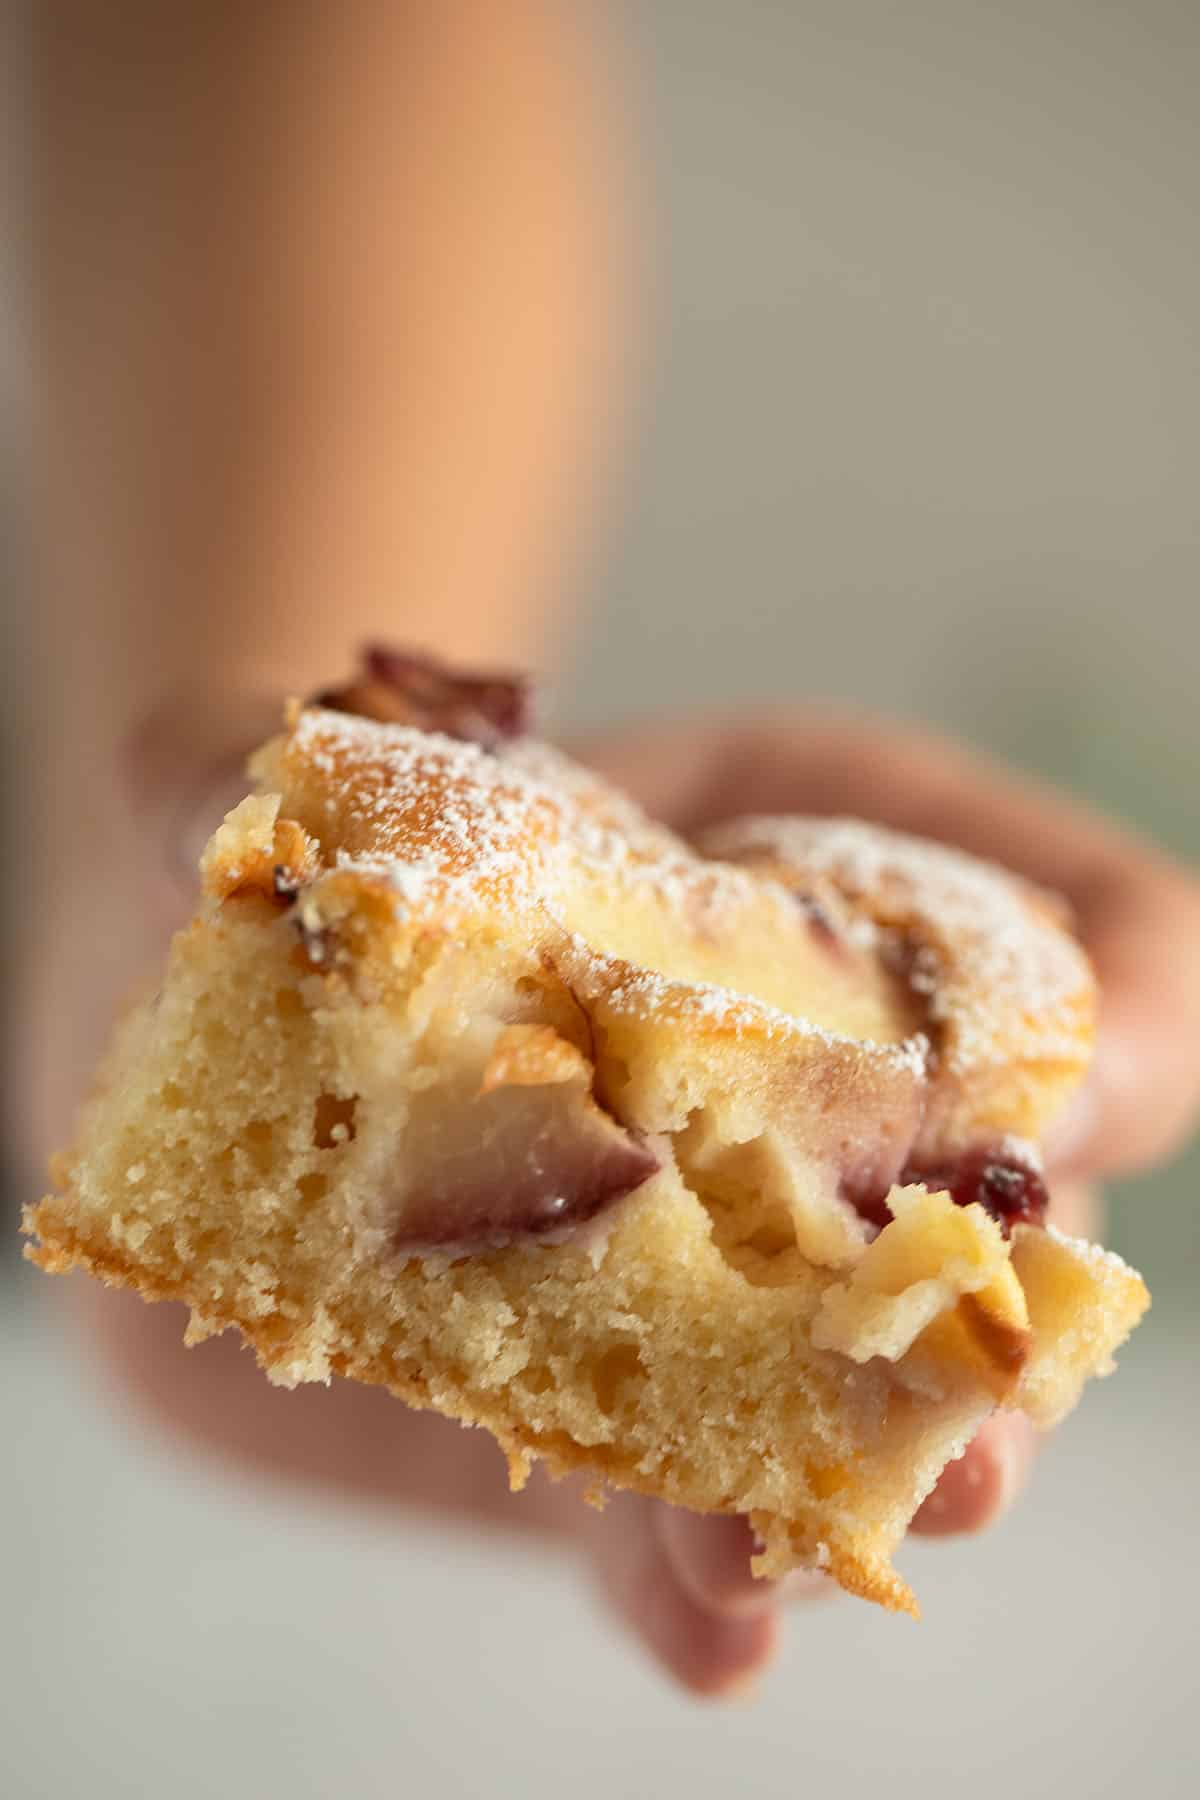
(833, 924)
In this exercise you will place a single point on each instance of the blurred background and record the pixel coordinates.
(918, 428)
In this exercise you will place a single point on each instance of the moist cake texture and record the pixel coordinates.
(709, 1169)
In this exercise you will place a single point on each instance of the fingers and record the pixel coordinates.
(711, 1561)
(1141, 926)
(981, 1486)
(710, 1649)
(710, 1558)
(1138, 913)
(182, 768)
(992, 1473)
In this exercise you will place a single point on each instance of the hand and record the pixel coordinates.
(680, 1583)
(683, 1583)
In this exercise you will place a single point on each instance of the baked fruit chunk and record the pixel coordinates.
(707, 1169)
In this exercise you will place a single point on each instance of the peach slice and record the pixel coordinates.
(516, 1150)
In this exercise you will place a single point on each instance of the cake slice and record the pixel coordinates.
(710, 1170)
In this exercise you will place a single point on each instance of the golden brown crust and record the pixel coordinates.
(59, 1250)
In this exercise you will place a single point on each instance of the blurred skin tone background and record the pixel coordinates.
(768, 359)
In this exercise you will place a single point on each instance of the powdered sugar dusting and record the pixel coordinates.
(432, 816)
(998, 972)
(421, 810)
(446, 825)
(519, 833)
(1095, 1254)
(443, 823)
(645, 992)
